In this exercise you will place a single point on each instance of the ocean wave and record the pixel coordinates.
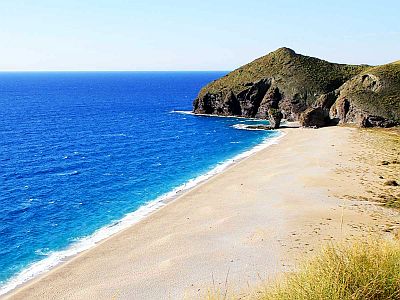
(188, 112)
(54, 258)
(69, 173)
(42, 252)
(247, 127)
(183, 112)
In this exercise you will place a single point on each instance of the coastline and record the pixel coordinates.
(57, 259)
(253, 220)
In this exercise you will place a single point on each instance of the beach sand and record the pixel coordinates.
(256, 219)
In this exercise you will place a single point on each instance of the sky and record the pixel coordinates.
(98, 35)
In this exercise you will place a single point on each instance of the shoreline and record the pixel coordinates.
(254, 220)
(56, 259)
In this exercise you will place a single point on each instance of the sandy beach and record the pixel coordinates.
(256, 219)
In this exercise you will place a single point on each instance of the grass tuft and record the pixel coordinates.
(367, 271)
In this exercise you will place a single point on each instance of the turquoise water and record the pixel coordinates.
(81, 151)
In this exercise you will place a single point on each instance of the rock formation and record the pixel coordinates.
(284, 84)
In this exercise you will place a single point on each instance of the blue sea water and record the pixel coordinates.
(79, 151)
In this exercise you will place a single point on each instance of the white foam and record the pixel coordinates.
(68, 173)
(184, 112)
(188, 112)
(55, 258)
(246, 127)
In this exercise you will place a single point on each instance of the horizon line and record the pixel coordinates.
(104, 71)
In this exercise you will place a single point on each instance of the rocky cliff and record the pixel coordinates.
(284, 84)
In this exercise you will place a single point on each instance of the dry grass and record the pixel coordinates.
(360, 271)
(378, 162)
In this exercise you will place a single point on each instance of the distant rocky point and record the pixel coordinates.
(284, 84)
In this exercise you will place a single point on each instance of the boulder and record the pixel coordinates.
(376, 121)
(314, 117)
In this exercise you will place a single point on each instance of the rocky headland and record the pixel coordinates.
(284, 84)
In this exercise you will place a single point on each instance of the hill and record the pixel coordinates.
(371, 98)
(298, 87)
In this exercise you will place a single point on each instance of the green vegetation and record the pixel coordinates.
(391, 201)
(294, 71)
(383, 98)
(361, 94)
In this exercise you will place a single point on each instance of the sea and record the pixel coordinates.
(84, 155)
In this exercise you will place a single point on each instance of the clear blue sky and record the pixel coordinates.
(191, 35)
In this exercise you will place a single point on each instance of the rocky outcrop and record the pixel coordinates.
(319, 114)
(284, 84)
(314, 117)
(247, 103)
(370, 99)
(274, 117)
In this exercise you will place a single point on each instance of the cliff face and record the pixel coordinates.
(296, 87)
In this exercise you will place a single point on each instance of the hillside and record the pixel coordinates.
(373, 96)
(314, 91)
